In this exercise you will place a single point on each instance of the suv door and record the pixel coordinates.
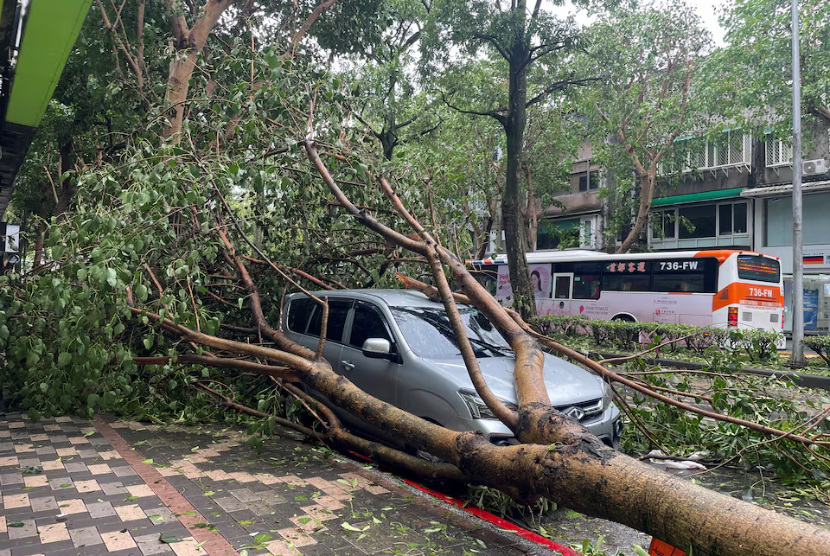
(374, 376)
(310, 335)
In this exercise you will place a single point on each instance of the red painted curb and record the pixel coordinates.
(497, 521)
(211, 542)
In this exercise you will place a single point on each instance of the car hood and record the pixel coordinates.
(567, 384)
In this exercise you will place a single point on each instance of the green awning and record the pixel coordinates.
(696, 197)
(51, 29)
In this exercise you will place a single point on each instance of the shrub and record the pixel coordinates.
(758, 345)
(819, 344)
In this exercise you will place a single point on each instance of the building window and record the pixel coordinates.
(779, 220)
(684, 226)
(697, 222)
(558, 234)
(663, 224)
(730, 149)
(778, 153)
(588, 182)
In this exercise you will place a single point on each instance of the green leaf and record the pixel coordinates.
(262, 538)
(169, 539)
(148, 343)
(349, 527)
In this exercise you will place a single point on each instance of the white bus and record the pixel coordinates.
(721, 288)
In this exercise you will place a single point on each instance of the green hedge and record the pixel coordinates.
(819, 344)
(759, 345)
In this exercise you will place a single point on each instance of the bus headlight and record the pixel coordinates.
(478, 409)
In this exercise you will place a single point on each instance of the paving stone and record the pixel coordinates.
(117, 540)
(53, 533)
(124, 471)
(11, 501)
(244, 495)
(230, 504)
(150, 544)
(87, 486)
(74, 506)
(160, 516)
(28, 529)
(111, 489)
(58, 439)
(7, 479)
(9, 461)
(43, 504)
(45, 451)
(99, 469)
(30, 462)
(88, 454)
(61, 483)
(86, 536)
(52, 465)
(140, 490)
(188, 547)
(6, 446)
(75, 467)
(100, 509)
(131, 512)
(33, 481)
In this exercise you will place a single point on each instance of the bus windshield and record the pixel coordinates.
(761, 269)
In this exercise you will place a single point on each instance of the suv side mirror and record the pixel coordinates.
(377, 348)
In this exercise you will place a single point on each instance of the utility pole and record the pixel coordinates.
(797, 358)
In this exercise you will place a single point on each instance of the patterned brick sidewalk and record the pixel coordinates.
(74, 487)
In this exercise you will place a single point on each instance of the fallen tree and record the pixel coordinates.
(153, 293)
(558, 458)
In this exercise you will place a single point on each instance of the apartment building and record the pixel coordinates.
(732, 190)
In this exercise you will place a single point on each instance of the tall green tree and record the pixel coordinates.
(753, 72)
(531, 48)
(647, 59)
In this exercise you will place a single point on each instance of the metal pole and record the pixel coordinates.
(797, 357)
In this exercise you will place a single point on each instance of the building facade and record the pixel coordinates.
(733, 190)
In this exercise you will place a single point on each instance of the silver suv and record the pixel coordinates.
(399, 346)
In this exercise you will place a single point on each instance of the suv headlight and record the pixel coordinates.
(478, 409)
(607, 394)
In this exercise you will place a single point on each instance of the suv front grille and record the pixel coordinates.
(583, 411)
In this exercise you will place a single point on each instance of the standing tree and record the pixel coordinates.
(530, 47)
(646, 60)
(753, 73)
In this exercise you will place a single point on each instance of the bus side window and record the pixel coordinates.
(586, 286)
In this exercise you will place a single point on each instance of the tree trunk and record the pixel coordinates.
(513, 222)
(190, 43)
(67, 187)
(647, 182)
(532, 216)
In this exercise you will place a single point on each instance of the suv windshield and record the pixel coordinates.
(429, 332)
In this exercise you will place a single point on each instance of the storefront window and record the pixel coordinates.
(697, 222)
(779, 220)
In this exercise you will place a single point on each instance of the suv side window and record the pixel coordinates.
(338, 311)
(367, 323)
(298, 313)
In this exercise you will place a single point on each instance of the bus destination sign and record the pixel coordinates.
(631, 267)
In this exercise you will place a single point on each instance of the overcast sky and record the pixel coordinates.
(707, 9)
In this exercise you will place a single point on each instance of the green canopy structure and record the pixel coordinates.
(36, 37)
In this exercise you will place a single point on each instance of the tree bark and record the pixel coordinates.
(67, 185)
(190, 43)
(514, 126)
(647, 183)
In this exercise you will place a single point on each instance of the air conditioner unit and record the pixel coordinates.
(815, 167)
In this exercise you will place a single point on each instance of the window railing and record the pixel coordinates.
(730, 149)
(778, 153)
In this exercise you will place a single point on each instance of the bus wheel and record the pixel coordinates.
(624, 318)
